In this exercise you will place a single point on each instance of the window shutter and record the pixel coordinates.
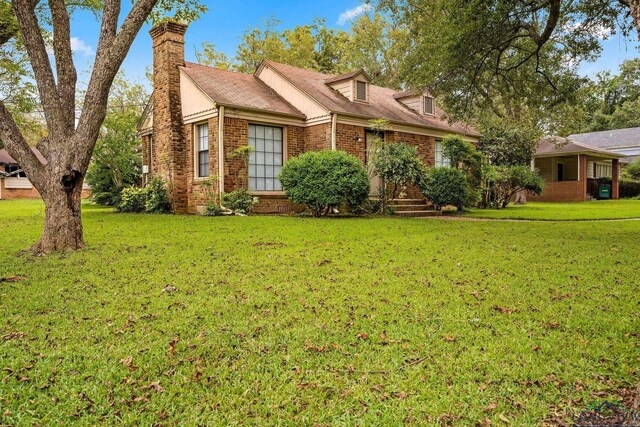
(428, 105)
(361, 90)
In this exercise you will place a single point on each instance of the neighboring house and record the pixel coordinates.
(571, 169)
(621, 141)
(199, 115)
(14, 183)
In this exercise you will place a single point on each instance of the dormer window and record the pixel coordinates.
(361, 91)
(427, 105)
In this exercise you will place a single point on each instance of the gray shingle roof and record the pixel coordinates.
(237, 89)
(610, 138)
(381, 101)
(555, 145)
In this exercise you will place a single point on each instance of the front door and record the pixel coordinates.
(373, 143)
(560, 171)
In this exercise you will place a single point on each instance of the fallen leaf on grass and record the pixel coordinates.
(491, 406)
(505, 310)
(12, 279)
(128, 362)
(449, 338)
(362, 336)
(308, 346)
(13, 335)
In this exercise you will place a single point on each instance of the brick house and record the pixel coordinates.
(199, 115)
(14, 183)
(571, 170)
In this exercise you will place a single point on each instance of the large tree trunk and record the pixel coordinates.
(62, 221)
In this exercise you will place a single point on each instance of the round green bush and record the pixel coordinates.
(446, 186)
(324, 179)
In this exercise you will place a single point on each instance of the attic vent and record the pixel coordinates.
(427, 105)
(361, 90)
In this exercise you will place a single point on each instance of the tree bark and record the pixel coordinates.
(62, 221)
(68, 147)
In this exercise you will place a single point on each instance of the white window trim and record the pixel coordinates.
(196, 151)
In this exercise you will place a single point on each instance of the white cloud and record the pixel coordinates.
(79, 46)
(350, 14)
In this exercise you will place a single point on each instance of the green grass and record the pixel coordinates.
(580, 211)
(296, 321)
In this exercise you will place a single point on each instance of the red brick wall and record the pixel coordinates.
(198, 191)
(346, 140)
(317, 137)
(18, 193)
(426, 145)
(566, 191)
(170, 154)
(295, 141)
(561, 191)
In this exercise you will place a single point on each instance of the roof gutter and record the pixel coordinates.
(221, 150)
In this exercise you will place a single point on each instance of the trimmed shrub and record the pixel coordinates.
(158, 200)
(239, 201)
(446, 186)
(132, 199)
(325, 179)
(629, 188)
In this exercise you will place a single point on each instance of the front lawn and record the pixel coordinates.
(579, 211)
(184, 320)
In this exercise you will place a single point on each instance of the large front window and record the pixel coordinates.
(265, 163)
(441, 160)
(203, 151)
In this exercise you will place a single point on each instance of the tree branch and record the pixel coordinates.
(104, 71)
(109, 26)
(18, 147)
(66, 71)
(36, 48)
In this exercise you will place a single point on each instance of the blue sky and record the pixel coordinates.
(225, 22)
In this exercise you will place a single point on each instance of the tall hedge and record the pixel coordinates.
(324, 179)
(629, 188)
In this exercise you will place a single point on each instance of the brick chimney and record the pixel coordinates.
(170, 149)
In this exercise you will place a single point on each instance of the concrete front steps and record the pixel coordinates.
(414, 208)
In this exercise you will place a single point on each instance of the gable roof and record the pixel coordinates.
(555, 145)
(381, 100)
(346, 76)
(617, 138)
(237, 89)
(5, 157)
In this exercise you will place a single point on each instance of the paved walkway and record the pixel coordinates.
(468, 218)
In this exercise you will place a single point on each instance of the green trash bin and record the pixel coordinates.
(604, 191)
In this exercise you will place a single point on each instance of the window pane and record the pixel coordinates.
(266, 162)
